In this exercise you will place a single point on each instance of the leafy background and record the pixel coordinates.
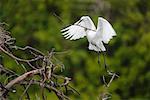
(38, 23)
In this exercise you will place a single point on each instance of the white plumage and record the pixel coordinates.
(96, 37)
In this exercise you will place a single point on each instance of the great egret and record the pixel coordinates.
(96, 37)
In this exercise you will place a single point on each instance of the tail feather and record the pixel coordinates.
(101, 46)
(97, 47)
(93, 47)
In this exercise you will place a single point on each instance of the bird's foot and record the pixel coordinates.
(113, 75)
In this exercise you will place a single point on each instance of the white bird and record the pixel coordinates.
(96, 37)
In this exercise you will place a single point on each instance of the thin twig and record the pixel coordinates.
(25, 91)
(27, 94)
(28, 47)
(59, 93)
(19, 59)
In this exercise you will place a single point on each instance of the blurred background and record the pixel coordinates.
(38, 23)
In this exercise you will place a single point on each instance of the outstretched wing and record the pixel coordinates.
(105, 31)
(79, 29)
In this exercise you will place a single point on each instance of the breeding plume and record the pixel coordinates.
(96, 37)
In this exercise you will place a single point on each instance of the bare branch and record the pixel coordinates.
(41, 65)
(23, 77)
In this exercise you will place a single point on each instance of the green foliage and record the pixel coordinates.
(38, 23)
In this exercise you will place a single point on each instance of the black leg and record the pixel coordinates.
(99, 66)
(99, 57)
(105, 65)
(112, 74)
(109, 72)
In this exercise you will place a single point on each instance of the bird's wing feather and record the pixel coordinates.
(79, 29)
(105, 31)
